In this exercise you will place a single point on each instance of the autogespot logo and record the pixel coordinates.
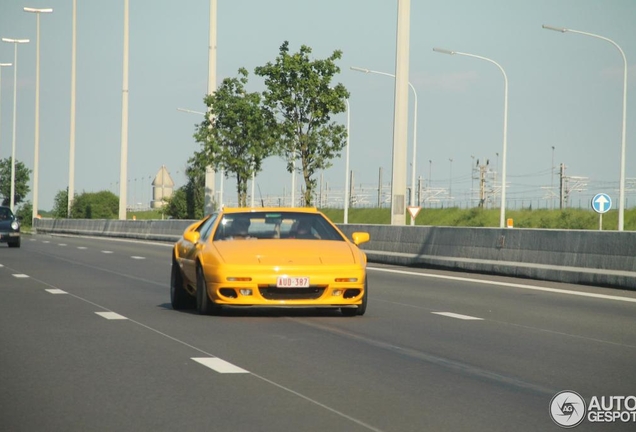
(567, 409)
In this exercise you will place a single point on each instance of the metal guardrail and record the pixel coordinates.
(601, 258)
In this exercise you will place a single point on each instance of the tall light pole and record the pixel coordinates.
(123, 166)
(450, 180)
(347, 186)
(552, 179)
(210, 186)
(400, 116)
(1, 66)
(36, 151)
(71, 159)
(414, 156)
(15, 43)
(502, 211)
(621, 186)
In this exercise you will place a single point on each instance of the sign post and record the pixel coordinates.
(601, 203)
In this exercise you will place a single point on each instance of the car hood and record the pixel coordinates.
(285, 252)
(5, 225)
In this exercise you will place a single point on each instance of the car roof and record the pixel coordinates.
(229, 210)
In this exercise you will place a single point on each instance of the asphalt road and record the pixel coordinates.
(89, 342)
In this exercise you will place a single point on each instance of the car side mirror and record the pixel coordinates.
(360, 237)
(191, 236)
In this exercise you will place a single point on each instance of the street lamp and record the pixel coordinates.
(1, 66)
(450, 180)
(123, 165)
(36, 151)
(15, 43)
(347, 186)
(413, 163)
(210, 175)
(621, 186)
(71, 157)
(502, 211)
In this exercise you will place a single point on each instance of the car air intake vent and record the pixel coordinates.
(273, 293)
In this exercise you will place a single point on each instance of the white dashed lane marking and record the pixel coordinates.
(81, 247)
(111, 316)
(218, 365)
(138, 257)
(458, 316)
(20, 276)
(56, 291)
(107, 252)
(62, 244)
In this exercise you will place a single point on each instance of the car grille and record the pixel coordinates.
(271, 292)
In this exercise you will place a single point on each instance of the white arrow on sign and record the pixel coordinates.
(601, 201)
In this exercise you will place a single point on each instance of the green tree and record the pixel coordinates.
(301, 98)
(187, 202)
(95, 205)
(25, 213)
(21, 184)
(60, 204)
(237, 135)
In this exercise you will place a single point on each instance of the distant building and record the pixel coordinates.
(162, 187)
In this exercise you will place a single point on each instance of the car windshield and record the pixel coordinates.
(5, 213)
(275, 225)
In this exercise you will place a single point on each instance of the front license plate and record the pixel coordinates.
(292, 282)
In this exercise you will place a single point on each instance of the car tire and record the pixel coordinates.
(362, 308)
(205, 306)
(14, 244)
(179, 297)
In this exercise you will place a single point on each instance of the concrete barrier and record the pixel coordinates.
(602, 258)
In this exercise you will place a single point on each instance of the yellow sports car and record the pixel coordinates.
(268, 257)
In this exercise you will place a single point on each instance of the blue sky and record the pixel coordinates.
(565, 90)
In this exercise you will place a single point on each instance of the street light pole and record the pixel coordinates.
(414, 157)
(347, 186)
(36, 151)
(450, 180)
(1, 66)
(210, 174)
(621, 186)
(15, 43)
(123, 169)
(71, 158)
(502, 212)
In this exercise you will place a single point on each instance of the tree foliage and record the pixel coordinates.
(95, 205)
(25, 214)
(237, 135)
(187, 202)
(301, 98)
(60, 204)
(21, 184)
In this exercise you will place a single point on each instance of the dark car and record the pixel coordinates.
(9, 228)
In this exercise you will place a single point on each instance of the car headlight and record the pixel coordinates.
(15, 225)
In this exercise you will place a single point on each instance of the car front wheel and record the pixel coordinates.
(205, 306)
(179, 297)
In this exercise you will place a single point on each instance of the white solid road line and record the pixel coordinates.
(458, 316)
(508, 284)
(219, 365)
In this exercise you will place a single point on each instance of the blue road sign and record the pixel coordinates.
(601, 203)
